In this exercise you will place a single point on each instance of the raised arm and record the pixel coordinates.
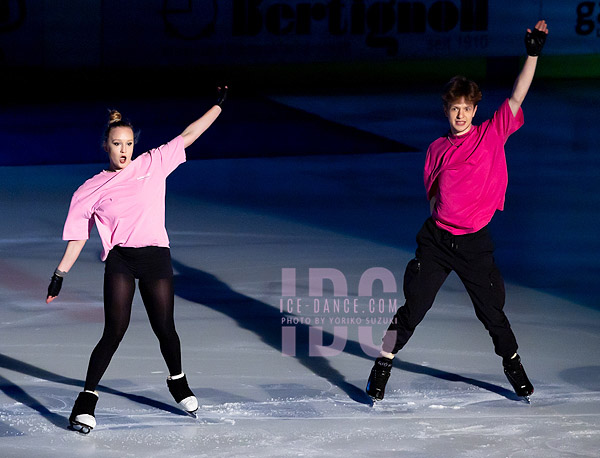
(197, 128)
(534, 42)
(72, 252)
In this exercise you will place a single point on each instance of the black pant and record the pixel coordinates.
(152, 266)
(471, 257)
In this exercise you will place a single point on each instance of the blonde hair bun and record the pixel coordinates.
(114, 116)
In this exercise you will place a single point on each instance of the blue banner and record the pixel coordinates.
(180, 33)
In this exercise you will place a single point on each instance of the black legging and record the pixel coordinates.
(158, 298)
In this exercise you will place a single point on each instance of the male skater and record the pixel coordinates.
(465, 179)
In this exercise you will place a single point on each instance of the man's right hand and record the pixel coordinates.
(535, 39)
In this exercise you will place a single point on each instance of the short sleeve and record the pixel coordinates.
(171, 155)
(79, 223)
(504, 122)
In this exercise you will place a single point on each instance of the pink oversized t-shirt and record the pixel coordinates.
(128, 206)
(467, 174)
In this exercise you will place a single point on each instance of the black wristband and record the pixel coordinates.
(60, 273)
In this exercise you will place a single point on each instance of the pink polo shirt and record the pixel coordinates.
(467, 174)
(127, 206)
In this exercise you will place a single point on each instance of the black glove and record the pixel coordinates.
(534, 42)
(222, 95)
(55, 285)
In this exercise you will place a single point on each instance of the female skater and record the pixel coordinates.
(127, 204)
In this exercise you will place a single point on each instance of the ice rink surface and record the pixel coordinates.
(236, 223)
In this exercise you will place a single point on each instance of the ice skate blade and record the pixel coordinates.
(527, 399)
(374, 399)
(80, 428)
(193, 414)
